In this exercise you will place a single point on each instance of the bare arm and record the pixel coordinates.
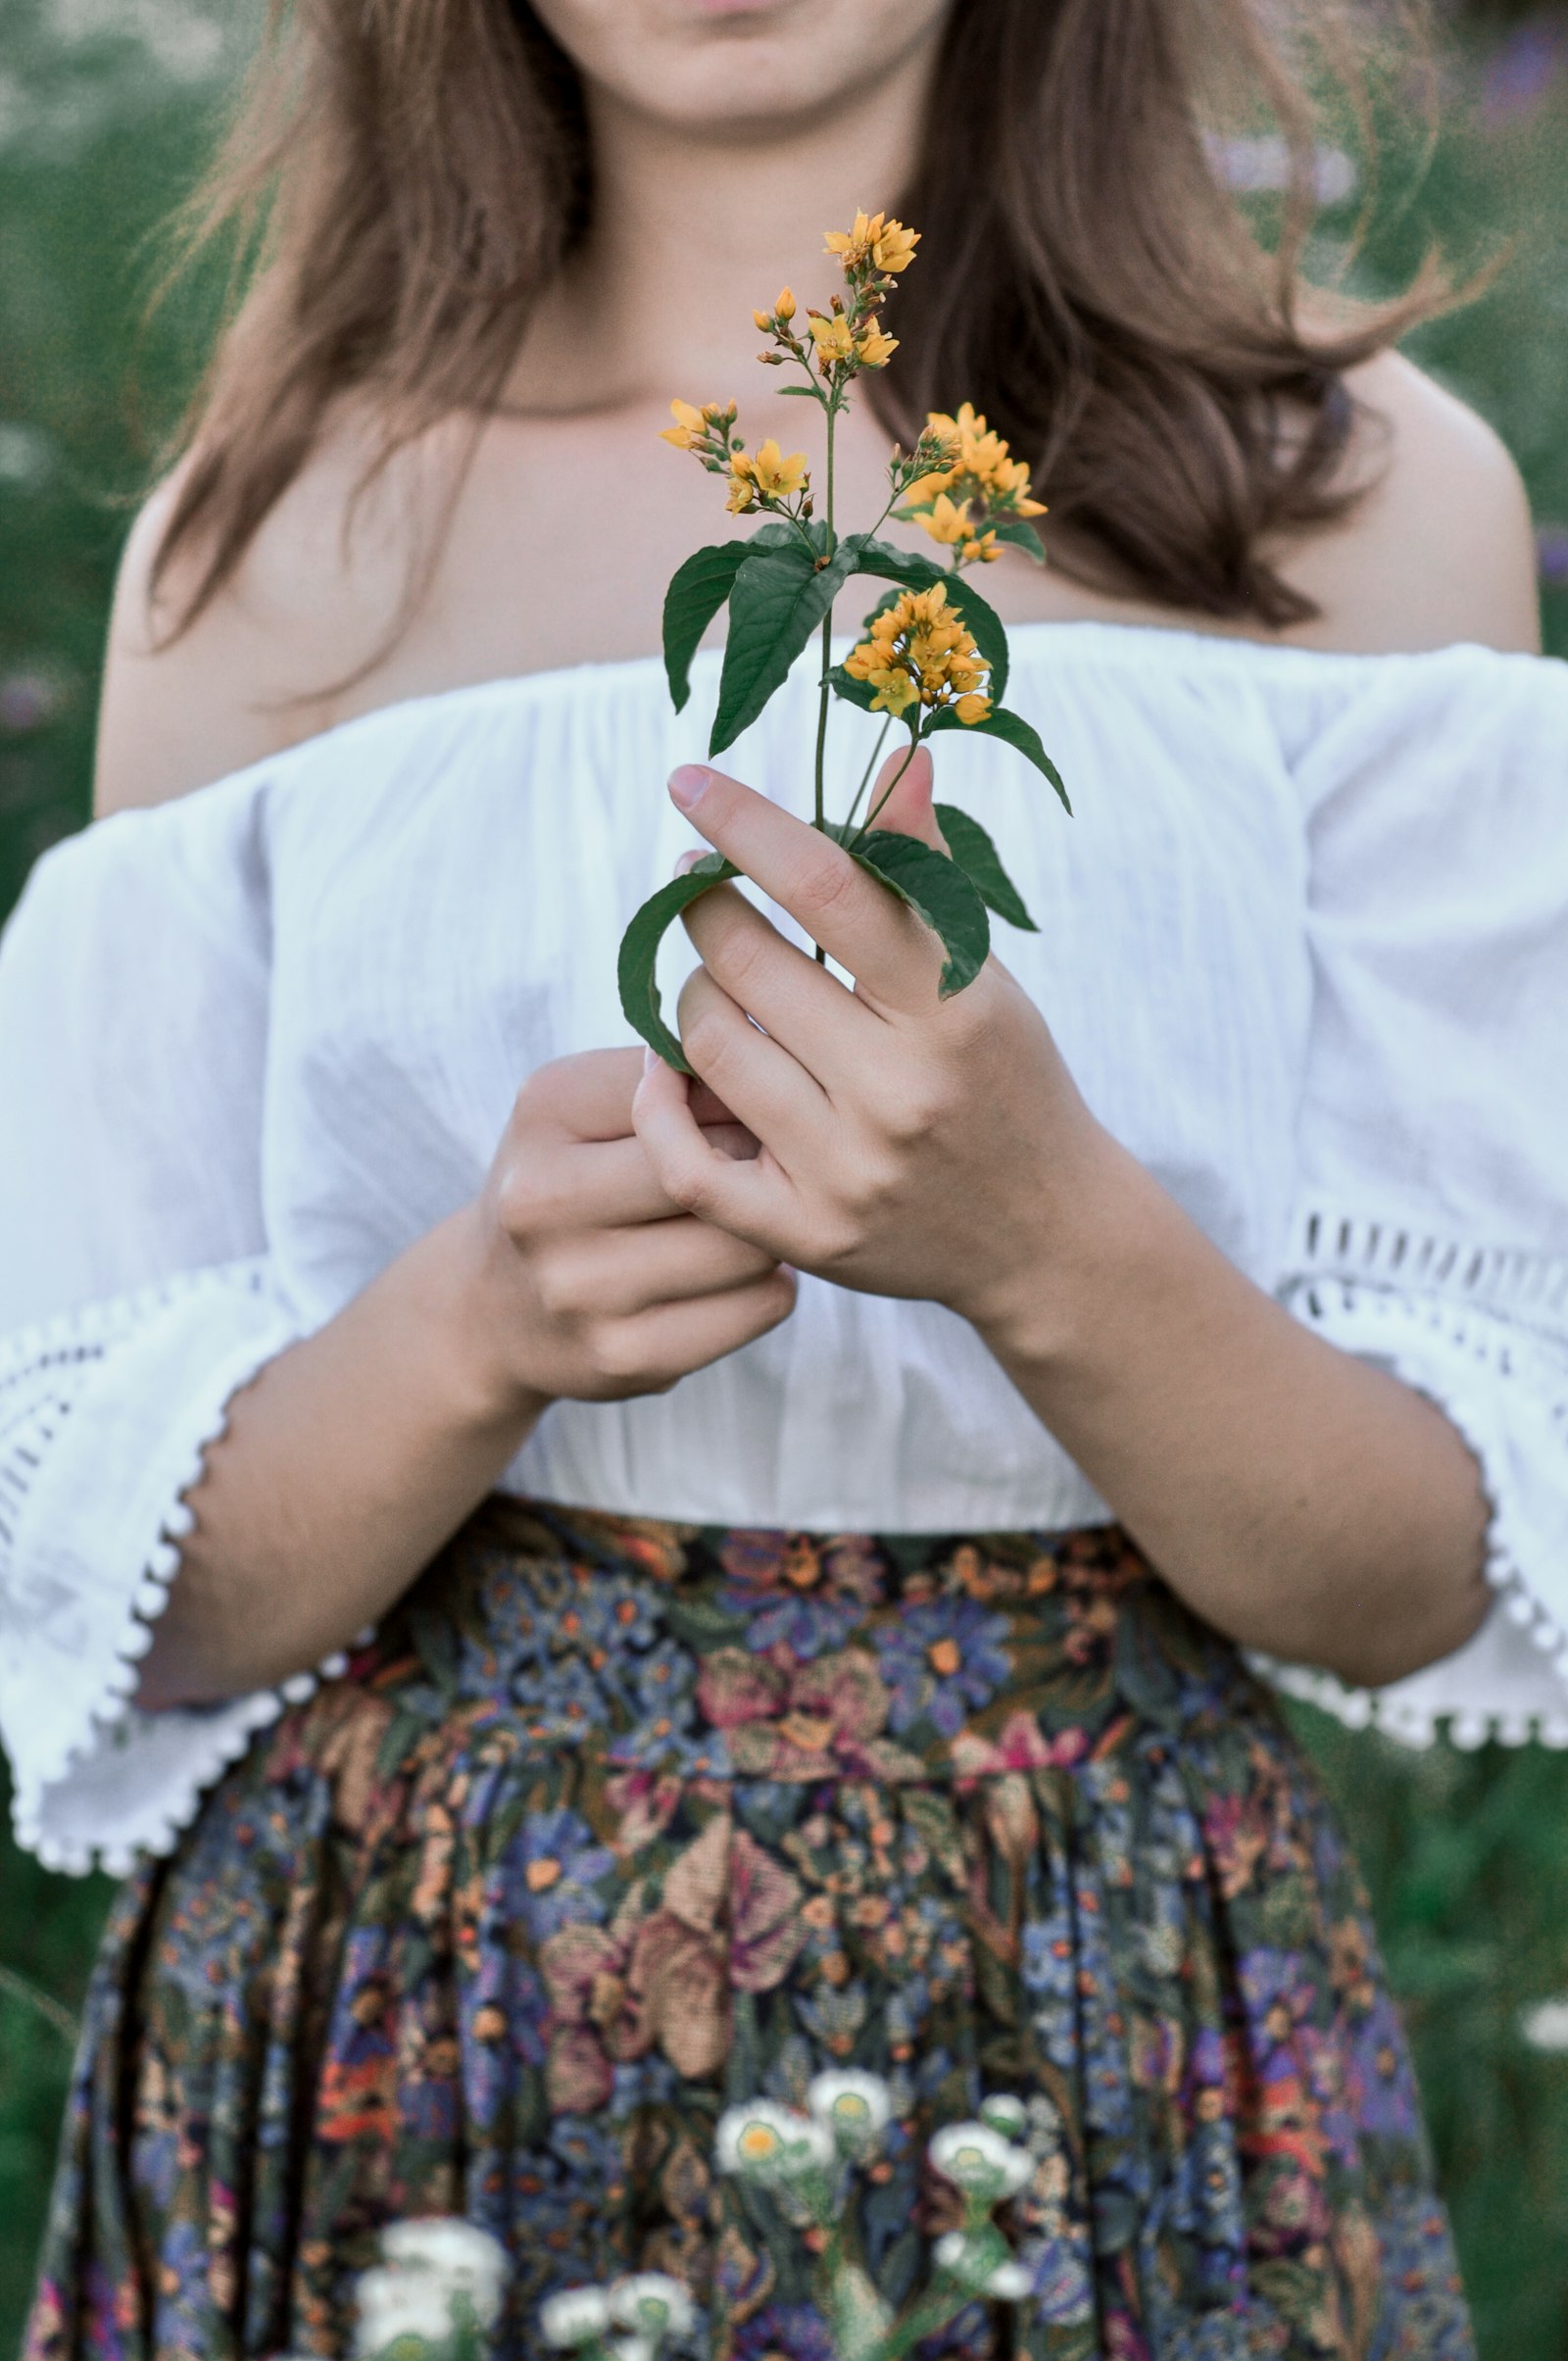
(358, 1452)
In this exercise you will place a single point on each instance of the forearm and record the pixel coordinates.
(1303, 1502)
(344, 1468)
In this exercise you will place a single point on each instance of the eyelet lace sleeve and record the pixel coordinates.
(1433, 1230)
(104, 1416)
(136, 1297)
(1477, 1334)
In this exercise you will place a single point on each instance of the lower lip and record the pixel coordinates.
(734, 8)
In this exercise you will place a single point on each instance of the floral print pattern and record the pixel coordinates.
(616, 1822)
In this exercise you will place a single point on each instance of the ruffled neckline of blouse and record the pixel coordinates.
(1180, 653)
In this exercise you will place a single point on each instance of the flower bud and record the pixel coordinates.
(785, 306)
(763, 321)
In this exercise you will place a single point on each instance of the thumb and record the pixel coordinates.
(908, 810)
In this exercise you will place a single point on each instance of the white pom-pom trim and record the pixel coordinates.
(1358, 1279)
(110, 1718)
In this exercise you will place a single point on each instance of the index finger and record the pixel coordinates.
(856, 921)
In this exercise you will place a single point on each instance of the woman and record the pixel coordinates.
(742, 1507)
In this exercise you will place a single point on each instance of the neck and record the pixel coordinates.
(692, 230)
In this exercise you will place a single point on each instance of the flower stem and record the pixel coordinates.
(826, 694)
(871, 816)
(866, 779)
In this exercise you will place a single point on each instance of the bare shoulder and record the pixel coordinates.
(264, 663)
(1441, 548)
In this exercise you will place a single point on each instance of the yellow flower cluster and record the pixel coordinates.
(886, 245)
(920, 652)
(976, 471)
(837, 342)
(760, 478)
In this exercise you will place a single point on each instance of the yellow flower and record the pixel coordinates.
(980, 549)
(874, 239)
(973, 708)
(742, 490)
(784, 309)
(833, 340)
(895, 692)
(892, 248)
(874, 349)
(690, 428)
(947, 521)
(851, 246)
(774, 475)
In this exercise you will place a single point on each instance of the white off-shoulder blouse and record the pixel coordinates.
(1305, 946)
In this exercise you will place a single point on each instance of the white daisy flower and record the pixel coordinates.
(1545, 2026)
(576, 2316)
(653, 2303)
(401, 2303)
(855, 2107)
(458, 2253)
(976, 2158)
(764, 2141)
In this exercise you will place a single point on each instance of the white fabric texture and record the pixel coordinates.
(1305, 946)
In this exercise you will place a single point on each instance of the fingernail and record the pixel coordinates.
(689, 784)
(687, 863)
(650, 1060)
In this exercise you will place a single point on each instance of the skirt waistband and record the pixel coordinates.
(717, 1654)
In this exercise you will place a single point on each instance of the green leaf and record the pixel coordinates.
(853, 692)
(798, 393)
(1011, 729)
(696, 591)
(639, 952)
(778, 600)
(1020, 533)
(890, 564)
(938, 891)
(975, 854)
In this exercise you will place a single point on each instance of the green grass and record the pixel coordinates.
(1465, 1854)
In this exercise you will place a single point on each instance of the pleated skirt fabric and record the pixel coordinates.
(617, 1822)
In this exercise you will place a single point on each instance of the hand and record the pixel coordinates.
(908, 1146)
(591, 1282)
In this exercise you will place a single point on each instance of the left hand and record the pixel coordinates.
(909, 1146)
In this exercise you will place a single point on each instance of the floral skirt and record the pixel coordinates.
(616, 1823)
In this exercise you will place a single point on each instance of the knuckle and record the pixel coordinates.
(613, 1357)
(520, 1199)
(555, 1288)
(826, 886)
(689, 1188)
(705, 1037)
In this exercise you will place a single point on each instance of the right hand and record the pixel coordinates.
(594, 1285)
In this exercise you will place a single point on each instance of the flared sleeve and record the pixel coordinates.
(136, 1296)
(1431, 1233)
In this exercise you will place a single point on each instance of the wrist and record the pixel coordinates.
(473, 1352)
(1049, 1304)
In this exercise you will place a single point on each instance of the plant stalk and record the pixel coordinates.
(825, 695)
(871, 816)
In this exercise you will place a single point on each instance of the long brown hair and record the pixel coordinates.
(405, 175)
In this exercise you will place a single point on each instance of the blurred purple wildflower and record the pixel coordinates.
(27, 699)
(1522, 70)
(1552, 555)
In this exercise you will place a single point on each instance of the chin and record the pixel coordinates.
(738, 66)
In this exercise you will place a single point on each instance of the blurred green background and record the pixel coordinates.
(106, 105)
